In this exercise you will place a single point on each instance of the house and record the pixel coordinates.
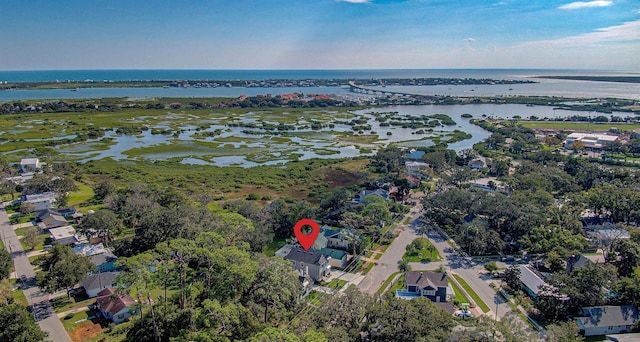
(339, 238)
(577, 261)
(41, 201)
(416, 169)
(532, 281)
(605, 236)
(487, 184)
(602, 320)
(103, 258)
(361, 197)
(337, 258)
(477, 164)
(321, 242)
(115, 307)
(433, 285)
(310, 263)
(95, 283)
(65, 235)
(48, 221)
(29, 165)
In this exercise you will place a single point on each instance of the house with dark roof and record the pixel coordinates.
(310, 263)
(115, 307)
(532, 281)
(50, 220)
(95, 283)
(604, 320)
(433, 285)
(575, 262)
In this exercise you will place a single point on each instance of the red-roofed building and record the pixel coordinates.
(114, 307)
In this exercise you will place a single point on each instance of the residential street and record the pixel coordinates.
(469, 270)
(39, 301)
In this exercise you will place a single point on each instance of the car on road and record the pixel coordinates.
(23, 278)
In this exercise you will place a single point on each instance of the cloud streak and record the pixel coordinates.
(625, 32)
(356, 1)
(586, 4)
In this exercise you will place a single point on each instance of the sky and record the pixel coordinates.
(319, 34)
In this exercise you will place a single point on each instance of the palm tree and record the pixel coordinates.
(404, 266)
(423, 230)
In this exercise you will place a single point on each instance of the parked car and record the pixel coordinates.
(23, 278)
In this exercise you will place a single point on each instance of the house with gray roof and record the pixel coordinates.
(532, 281)
(309, 263)
(95, 283)
(433, 285)
(604, 320)
(575, 262)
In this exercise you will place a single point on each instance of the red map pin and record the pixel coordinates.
(306, 240)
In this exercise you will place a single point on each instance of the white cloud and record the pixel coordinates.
(625, 32)
(356, 1)
(470, 40)
(586, 4)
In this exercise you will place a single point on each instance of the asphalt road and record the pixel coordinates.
(469, 270)
(39, 301)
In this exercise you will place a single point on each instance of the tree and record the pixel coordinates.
(17, 324)
(564, 332)
(628, 290)
(556, 262)
(403, 266)
(6, 292)
(104, 222)
(63, 269)
(627, 256)
(491, 267)
(31, 237)
(418, 319)
(512, 277)
(26, 208)
(103, 189)
(275, 287)
(6, 264)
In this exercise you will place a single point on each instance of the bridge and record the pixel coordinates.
(353, 87)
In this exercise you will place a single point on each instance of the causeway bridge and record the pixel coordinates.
(354, 88)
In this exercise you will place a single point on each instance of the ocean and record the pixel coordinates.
(543, 87)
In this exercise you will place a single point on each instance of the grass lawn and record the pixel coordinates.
(336, 284)
(400, 284)
(316, 298)
(19, 297)
(17, 219)
(83, 198)
(43, 239)
(80, 328)
(459, 297)
(605, 126)
(63, 303)
(422, 253)
(368, 268)
(472, 293)
(386, 283)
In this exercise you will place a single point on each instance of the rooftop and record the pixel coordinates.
(62, 232)
(604, 316)
(424, 279)
(531, 279)
(309, 257)
(98, 280)
(109, 301)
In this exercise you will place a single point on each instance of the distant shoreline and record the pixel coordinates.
(619, 79)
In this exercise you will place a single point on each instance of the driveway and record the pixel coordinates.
(39, 301)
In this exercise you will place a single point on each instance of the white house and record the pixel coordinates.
(604, 320)
(41, 201)
(29, 165)
(116, 308)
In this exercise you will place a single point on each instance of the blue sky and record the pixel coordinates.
(319, 34)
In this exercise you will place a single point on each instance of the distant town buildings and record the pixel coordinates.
(590, 140)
